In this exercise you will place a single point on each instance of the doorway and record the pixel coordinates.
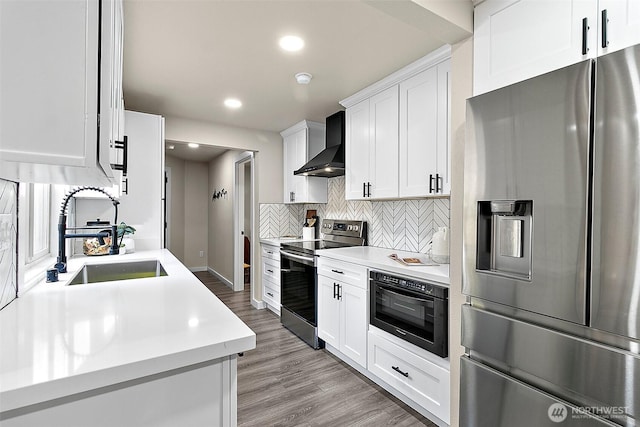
(243, 222)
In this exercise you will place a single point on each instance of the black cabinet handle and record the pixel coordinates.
(334, 290)
(430, 183)
(270, 294)
(339, 292)
(270, 271)
(605, 22)
(124, 146)
(338, 271)
(404, 374)
(397, 369)
(368, 189)
(585, 29)
(125, 186)
(364, 189)
(438, 183)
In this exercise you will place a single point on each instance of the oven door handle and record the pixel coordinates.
(298, 257)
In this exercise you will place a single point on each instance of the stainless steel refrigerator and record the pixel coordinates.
(552, 249)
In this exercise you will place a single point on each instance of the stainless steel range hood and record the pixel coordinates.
(330, 161)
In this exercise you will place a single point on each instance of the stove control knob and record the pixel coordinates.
(355, 228)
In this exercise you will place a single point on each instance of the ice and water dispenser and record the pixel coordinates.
(504, 238)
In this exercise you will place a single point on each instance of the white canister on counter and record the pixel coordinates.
(308, 233)
(440, 246)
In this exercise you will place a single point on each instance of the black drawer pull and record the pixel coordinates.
(124, 146)
(338, 271)
(585, 29)
(270, 271)
(125, 186)
(605, 23)
(270, 294)
(404, 374)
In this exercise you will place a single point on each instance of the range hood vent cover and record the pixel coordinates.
(329, 162)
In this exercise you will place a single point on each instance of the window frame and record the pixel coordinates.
(33, 255)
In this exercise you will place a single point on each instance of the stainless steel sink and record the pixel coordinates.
(93, 273)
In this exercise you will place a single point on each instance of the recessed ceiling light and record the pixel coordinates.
(291, 43)
(232, 103)
(193, 145)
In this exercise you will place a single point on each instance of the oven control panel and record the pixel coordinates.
(409, 284)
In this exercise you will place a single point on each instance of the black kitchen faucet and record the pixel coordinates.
(61, 261)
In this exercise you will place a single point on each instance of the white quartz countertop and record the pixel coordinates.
(378, 259)
(57, 340)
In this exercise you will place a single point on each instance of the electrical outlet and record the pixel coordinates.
(201, 254)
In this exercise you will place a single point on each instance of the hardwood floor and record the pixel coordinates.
(284, 382)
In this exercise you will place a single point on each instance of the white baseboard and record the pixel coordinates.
(258, 304)
(195, 269)
(220, 276)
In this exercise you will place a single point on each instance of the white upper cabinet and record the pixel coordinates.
(141, 199)
(397, 133)
(383, 140)
(371, 157)
(424, 133)
(357, 150)
(621, 27)
(518, 39)
(58, 93)
(301, 143)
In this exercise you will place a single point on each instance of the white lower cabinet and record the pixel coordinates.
(212, 400)
(342, 309)
(422, 380)
(271, 277)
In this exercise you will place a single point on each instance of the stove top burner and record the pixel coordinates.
(310, 247)
(336, 234)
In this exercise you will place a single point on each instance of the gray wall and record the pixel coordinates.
(188, 225)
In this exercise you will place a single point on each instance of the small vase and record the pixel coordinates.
(129, 244)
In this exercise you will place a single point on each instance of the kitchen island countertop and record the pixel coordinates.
(378, 259)
(58, 340)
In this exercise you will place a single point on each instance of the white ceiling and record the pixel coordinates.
(184, 57)
(203, 153)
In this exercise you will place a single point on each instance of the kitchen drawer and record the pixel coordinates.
(271, 270)
(343, 271)
(419, 379)
(271, 252)
(271, 294)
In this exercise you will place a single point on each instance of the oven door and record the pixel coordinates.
(298, 285)
(417, 318)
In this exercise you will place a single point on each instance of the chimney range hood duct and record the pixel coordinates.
(330, 161)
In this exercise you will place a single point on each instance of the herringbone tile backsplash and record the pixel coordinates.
(400, 224)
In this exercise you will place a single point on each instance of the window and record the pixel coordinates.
(39, 208)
